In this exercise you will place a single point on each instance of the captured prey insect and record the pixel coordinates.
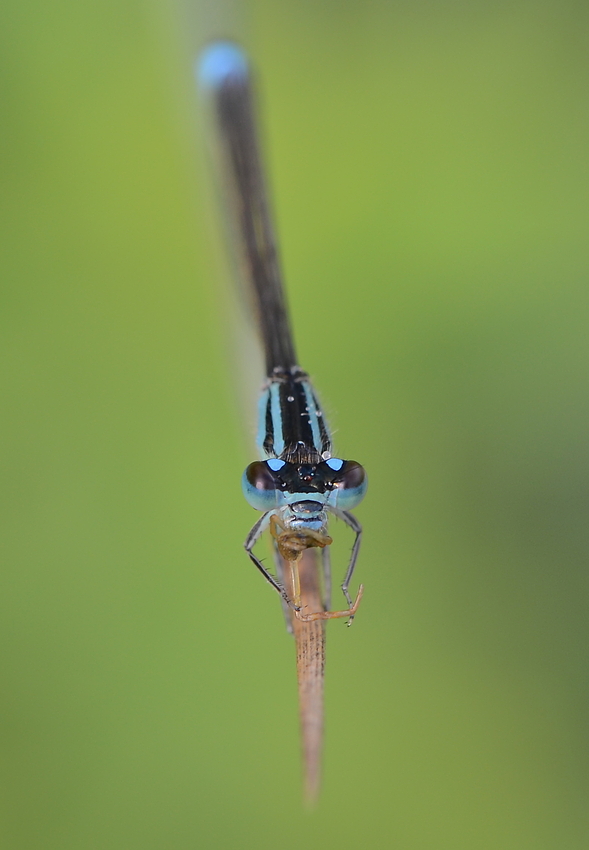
(297, 484)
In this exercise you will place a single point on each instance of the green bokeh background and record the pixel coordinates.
(430, 169)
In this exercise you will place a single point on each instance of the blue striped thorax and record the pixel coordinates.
(291, 422)
(298, 474)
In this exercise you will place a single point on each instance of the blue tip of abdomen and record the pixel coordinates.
(218, 61)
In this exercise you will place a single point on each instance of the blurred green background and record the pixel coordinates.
(430, 171)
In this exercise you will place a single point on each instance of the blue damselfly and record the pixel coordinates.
(297, 483)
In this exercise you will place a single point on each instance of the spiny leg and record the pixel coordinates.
(351, 521)
(249, 544)
(279, 562)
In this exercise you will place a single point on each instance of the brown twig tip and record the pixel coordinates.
(311, 792)
(310, 650)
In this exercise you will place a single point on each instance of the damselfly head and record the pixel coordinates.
(334, 483)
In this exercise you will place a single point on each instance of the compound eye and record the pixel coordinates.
(350, 484)
(260, 485)
(351, 475)
(260, 476)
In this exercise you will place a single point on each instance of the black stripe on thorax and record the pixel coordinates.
(296, 422)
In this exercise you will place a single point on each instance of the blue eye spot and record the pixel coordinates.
(335, 463)
(275, 464)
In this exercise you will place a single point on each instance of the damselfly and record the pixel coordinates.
(297, 483)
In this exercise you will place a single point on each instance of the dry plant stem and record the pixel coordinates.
(297, 550)
(309, 638)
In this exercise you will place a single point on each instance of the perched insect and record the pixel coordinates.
(297, 483)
